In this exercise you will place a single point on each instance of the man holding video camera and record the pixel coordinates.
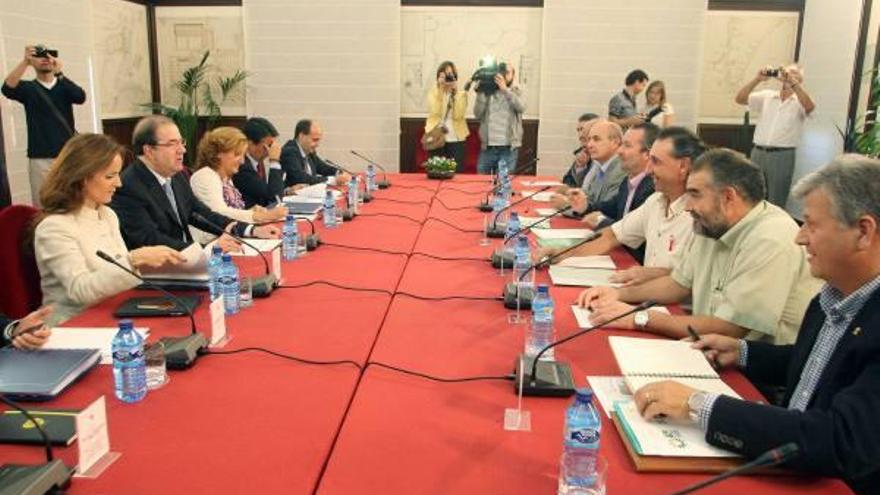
(48, 104)
(778, 130)
(499, 107)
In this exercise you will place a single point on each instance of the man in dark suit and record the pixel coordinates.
(635, 159)
(574, 176)
(832, 372)
(300, 161)
(260, 178)
(29, 332)
(156, 205)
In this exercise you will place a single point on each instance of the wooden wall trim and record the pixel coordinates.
(858, 67)
(472, 3)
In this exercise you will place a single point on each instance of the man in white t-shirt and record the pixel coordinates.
(778, 129)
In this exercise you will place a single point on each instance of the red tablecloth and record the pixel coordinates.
(254, 423)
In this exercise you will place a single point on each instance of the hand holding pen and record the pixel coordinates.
(722, 351)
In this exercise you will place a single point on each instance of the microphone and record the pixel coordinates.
(262, 286)
(338, 166)
(180, 352)
(500, 258)
(486, 205)
(312, 240)
(521, 297)
(44, 478)
(366, 196)
(497, 230)
(382, 184)
(773, 457)
(554, 378)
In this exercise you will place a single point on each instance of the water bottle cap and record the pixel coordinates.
(514, 215)
(227, 258)
(216, 250)
(126, 324)
(584, 394)
(523, 241)
(544, 288)
(291, 218)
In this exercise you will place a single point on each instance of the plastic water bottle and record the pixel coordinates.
(329, 210)
(541, 331)
(289, 239)
(229, 285)
(129, 366)
(513, 225)
(353, 195)
(371, 178)
(357, 190)
(499, 215)
(581, 438)
(503, 171)
(522, 264)
(214, 263)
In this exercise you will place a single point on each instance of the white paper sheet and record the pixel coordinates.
(88, 338)
(542, 197)
(582, 315)
(665, 437)
(563, 233)
(609, 390)
(527, 222)
(545, 211)
(581, 277)
(597, 261)
(541, 183)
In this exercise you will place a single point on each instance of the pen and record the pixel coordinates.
(694, 335)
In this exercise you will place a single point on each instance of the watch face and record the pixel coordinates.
(641, 319)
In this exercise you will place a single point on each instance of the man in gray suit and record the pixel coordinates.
(605, 175)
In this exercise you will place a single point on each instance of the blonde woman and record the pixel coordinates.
(76, 223)
(658, 111)
(220, 154)
(447, 106)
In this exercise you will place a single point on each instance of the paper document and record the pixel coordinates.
(100, 338)
(541, 183)
(582, 315)
(195, 266)
(714, 385)
(659, 358)
(609, 390)
(563, 233)
(664, 437)
(596, 261)
(543, 196)
(313, 191)
(545, 211)
(532, 222)
(581, 277)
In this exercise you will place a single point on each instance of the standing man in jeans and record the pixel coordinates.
(778, 130)
(48, 104)
(500, 116)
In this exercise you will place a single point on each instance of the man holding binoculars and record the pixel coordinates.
(48, 104)
(778, 129)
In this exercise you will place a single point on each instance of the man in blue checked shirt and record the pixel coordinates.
(832, 372)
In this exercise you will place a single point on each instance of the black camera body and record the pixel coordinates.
(485, 75)
(43, 52)
(772, 72)
(450, 78)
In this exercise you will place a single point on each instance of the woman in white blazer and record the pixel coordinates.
(76, 223)
(220, 154)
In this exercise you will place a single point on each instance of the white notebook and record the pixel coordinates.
(664, 437)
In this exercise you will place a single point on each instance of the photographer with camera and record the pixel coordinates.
(499, 107)
(48, 104)
(446, 128)
(778, 130)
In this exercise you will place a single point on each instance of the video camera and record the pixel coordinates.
(485, 75)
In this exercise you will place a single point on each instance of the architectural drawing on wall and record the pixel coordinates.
(735, 45)
(183, 34)
(430, 35)
(122, 57)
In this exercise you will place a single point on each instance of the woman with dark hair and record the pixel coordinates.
(659, 112)
(446, 108)
(76, 223)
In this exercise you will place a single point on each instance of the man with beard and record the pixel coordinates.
(48, 106)
(746, 276)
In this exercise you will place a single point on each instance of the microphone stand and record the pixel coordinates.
(519, 297)
(180, 352)
(382, 184)
(312, 240)
(486, 205)
(502, 259)
(770, 458)
(44, 478)
(262, 286)
(497, 230)
(367, 196)
(553, 378)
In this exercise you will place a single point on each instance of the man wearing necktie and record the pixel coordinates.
(260, 179)
(606, 174)
(300, 160)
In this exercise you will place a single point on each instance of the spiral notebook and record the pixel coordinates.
(643, 361)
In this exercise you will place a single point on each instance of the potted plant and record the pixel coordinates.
(440, 167)
(193, 88)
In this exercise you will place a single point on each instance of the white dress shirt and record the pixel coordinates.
(664, 228)
(780, 122)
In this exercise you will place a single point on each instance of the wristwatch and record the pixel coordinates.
(695, 403)
(641, 319)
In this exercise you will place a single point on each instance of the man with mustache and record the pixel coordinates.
(746, 276)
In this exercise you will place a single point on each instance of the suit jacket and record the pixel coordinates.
(603, 190)
(837, 435)
(254, 190)
(572, 179)
(294, 168)
(613, 208)
(146, 217)
(4, 322)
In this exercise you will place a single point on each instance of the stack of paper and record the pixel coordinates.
(195, 268)
(581, 277)
(601, 261)
(541, 183)
(563, 233)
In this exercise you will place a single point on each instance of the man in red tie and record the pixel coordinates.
(260, 178)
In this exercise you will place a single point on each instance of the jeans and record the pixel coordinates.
(491, 155)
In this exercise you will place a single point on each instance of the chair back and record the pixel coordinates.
(19, 277)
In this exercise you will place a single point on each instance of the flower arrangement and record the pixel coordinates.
(439, 167)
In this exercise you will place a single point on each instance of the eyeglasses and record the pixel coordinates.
(172, 144)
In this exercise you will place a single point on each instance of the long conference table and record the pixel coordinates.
(251, 422)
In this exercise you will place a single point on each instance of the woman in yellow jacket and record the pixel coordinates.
(447, 106)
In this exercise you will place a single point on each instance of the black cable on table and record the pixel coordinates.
(448, 298)
(446, 258)
(441, 379)
(456, 227)
(364, 248)
(338, 286)
(283, 356)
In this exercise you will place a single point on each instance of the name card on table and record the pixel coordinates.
(276, 264)
(93, 440)
(218, 323)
